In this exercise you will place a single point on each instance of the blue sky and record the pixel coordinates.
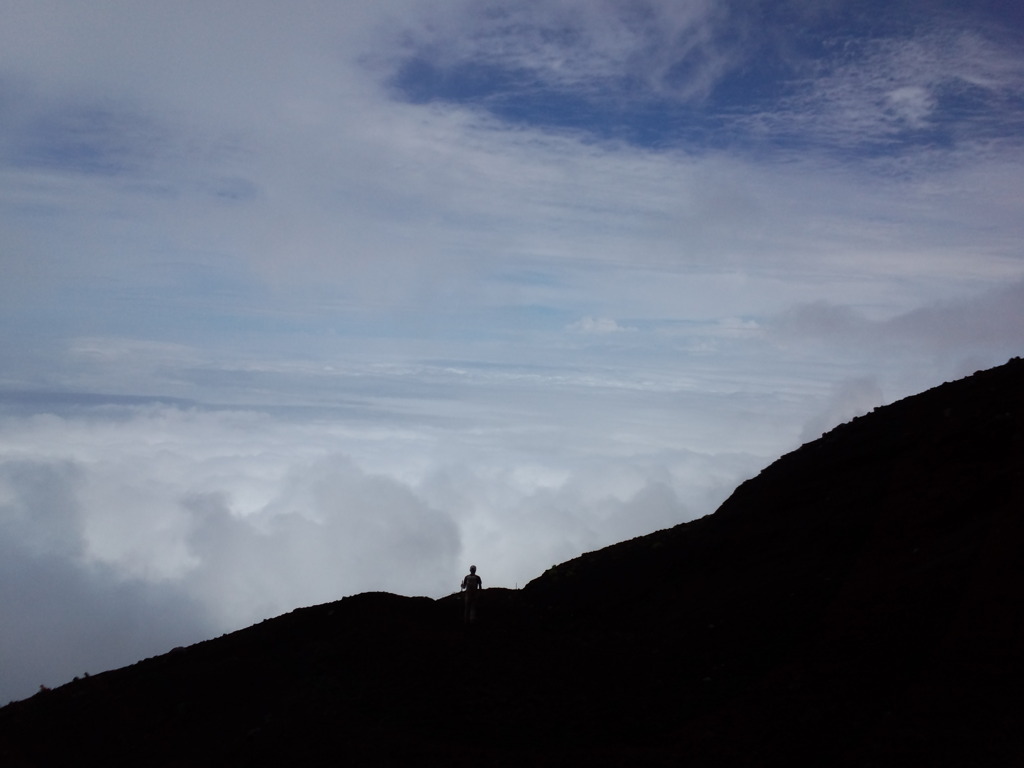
(305, 301)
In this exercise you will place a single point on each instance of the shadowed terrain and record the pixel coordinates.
(856, 604)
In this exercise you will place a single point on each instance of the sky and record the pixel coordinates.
(305, 300)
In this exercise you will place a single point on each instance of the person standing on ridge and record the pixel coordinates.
(471, 585)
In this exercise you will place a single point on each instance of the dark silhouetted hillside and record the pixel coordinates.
(856, 604)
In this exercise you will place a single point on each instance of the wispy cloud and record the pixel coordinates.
(568, 46)
(943, 88)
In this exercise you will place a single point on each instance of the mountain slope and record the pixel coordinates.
(855, 604)
(865, 584)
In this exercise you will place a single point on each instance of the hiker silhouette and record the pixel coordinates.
(472, 586)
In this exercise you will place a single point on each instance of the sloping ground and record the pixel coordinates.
(858, 603)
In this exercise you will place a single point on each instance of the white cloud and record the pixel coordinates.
(63, 615)
(227, 517)
(596, 325)
(911, 103)
(850, 398)
(991, 321)
(359, 204)
(64, 619)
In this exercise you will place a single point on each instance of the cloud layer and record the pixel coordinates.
(212, 520)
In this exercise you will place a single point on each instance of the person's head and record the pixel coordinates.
(472, 569)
